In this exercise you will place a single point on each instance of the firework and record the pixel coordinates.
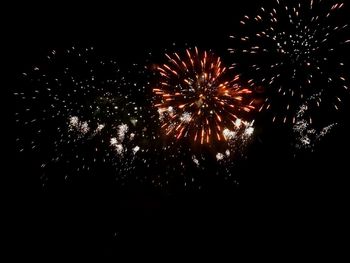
(307, 136)
(198, 98)
(203, 118)
(75, 113)
(294, 51)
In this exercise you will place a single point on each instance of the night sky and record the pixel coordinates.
(286, 201)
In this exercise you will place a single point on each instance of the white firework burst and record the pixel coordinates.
(75, 113)
(293, 50)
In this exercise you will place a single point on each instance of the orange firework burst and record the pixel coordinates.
(197, 97)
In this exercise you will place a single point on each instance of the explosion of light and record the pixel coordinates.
(76, 111)
(294, 51)
(197, 97)
(306, 135)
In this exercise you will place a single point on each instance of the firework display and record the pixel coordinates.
(75, 109)
(183, 115)
(197, 98)
(150, 129)
(294, 50)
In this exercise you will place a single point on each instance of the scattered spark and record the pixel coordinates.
(292, 53)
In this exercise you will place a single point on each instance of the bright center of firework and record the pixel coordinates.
(197, 98)
(200, 101)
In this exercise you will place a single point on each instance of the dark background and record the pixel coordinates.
(283, 203)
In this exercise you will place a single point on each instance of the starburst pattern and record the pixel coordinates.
(198, 98)
(293, 50)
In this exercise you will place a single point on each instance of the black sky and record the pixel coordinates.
(282, 202)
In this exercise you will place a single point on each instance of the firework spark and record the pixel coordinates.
(294, 51)
(76, 111)
(197, 97)
(307, 136)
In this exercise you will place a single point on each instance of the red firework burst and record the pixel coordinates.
(197, 97)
